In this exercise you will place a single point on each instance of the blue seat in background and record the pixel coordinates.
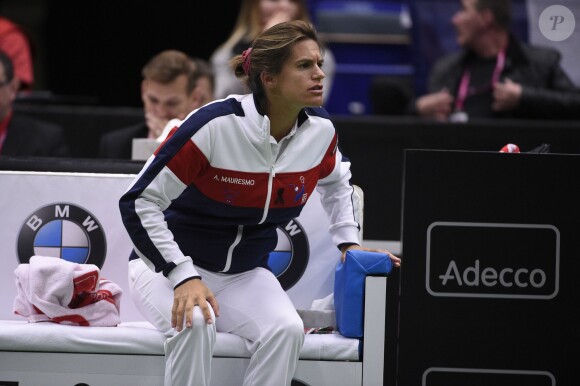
(368, 39)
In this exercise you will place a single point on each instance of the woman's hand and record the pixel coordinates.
(188, 295)
(396, 261)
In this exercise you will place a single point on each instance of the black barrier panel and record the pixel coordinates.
(488, 286)
(376, 146)
(70, 165)
(83, 125)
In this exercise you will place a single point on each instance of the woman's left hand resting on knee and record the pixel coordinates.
(396, 261)
(188, 295)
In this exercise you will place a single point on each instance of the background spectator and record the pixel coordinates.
(496, 75)
(173, 85)
(21, 135)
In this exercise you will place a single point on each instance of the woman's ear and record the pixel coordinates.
(268, 80)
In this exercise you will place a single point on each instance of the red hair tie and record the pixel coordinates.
(246, 60)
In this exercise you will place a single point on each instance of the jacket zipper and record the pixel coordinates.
(231, 249)
(264, 216)
(269, 194)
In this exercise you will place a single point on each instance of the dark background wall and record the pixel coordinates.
(109, 41)
(93, 51)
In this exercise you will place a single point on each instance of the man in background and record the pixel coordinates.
(21, 135)
(173, 85)
(495, 75)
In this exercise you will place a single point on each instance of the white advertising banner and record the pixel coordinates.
(75, 217)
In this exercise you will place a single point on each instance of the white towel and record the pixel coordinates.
(56, 290)
(326, 303)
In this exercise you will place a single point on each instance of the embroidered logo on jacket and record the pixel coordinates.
(235, 180)
(298, 192)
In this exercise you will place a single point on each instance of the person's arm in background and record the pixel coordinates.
(438, 102)
(437, 105)
(550, 94)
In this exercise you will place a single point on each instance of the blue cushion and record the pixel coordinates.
(349, 288)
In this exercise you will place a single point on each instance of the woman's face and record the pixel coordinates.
(277, 11)
(299, 84)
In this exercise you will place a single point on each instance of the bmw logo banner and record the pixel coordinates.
(75, 217)
(64, 231)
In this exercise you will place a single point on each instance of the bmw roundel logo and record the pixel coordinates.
(64, 231)
(290, 258)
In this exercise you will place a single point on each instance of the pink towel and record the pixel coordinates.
(55, 290)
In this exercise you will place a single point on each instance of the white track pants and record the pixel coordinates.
(252, 305)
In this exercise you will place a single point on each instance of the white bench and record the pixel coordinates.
(45, 354)
(132, 353)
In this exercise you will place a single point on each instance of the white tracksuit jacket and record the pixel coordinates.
(215, 191)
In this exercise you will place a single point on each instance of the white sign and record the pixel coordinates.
(76, 216)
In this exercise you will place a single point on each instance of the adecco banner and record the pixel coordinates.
(75, 216)
(493, 260)
(488, 286)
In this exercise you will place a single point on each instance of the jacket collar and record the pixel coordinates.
(251, 110)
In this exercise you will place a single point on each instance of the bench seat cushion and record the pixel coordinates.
(141, 338)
